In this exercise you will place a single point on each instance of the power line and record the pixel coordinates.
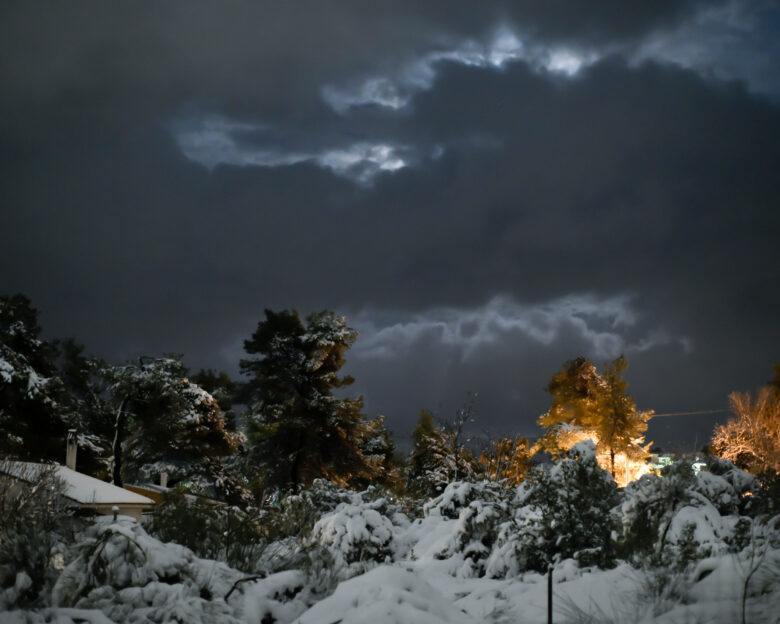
(717, 411)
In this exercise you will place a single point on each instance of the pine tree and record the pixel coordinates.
(297, 428)
(378, 449)
(589, 405)
(436, 458)
(165, 423)
(567, 511)
(88, 406)
(34, 406)
(427, 475)
(621, 427)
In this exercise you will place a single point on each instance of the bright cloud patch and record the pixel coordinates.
(504, 47)
(602, 324)
(215, 140)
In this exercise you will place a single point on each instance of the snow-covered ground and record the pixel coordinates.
(465, 559)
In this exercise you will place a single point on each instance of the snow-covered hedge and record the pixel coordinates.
(128, 575)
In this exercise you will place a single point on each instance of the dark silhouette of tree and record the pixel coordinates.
(437, 457)
(297, 429)
(164, 422)
(35, 414)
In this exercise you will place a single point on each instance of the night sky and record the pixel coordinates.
(484, 189)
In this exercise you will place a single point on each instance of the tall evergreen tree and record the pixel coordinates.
(298, 429)
(620, 426)
(88, 406)
(586, 404)
(34, 409)
(164, 421)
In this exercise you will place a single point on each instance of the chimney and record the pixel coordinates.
(164, 479)
(70, 452)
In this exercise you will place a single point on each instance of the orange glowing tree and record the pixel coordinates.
(589, 405)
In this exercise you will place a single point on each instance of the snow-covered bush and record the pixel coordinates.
(681, 516)
(357, 536)
(460, 494)
(765, 502)
(479, 509)
(330, 533)
(37, 523)
(649, 507)
(562, 512)
(230, 534)
(279, 598)
(131, 576)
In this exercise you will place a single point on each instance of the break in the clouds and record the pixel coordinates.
(419, 74)
(718, 40)
(214, 140)
(603, 325)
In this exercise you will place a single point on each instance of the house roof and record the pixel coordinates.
(79, 487)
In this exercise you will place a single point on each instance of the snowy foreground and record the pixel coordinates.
(462, 561)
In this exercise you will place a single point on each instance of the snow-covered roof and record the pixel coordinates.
(79, 487)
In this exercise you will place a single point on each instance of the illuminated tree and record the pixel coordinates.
(752, 439)
(508, 460)
(588, 405)
(621, 427)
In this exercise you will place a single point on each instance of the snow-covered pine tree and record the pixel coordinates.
(32, 398)
(165, 423)
(298, 430)
(436, 459)
(566, 512)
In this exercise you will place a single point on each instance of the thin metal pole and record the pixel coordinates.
(549, 596)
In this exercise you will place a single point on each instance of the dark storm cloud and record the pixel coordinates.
(169, 170)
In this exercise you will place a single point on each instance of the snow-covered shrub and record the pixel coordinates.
(37, 523)
(357, 536)
(563, 512)
(649, 507)
(131, 576)
(660, 515)
(726, 486)
(460, 494)
(279, 598)
(330, 533)
(295, 514)
(479, 509)
(765, 501)
(230, 534)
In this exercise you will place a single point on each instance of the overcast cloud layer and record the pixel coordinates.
(485, 190)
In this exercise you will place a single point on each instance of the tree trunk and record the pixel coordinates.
(119, 434)
(612, 458)
(296, 468)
